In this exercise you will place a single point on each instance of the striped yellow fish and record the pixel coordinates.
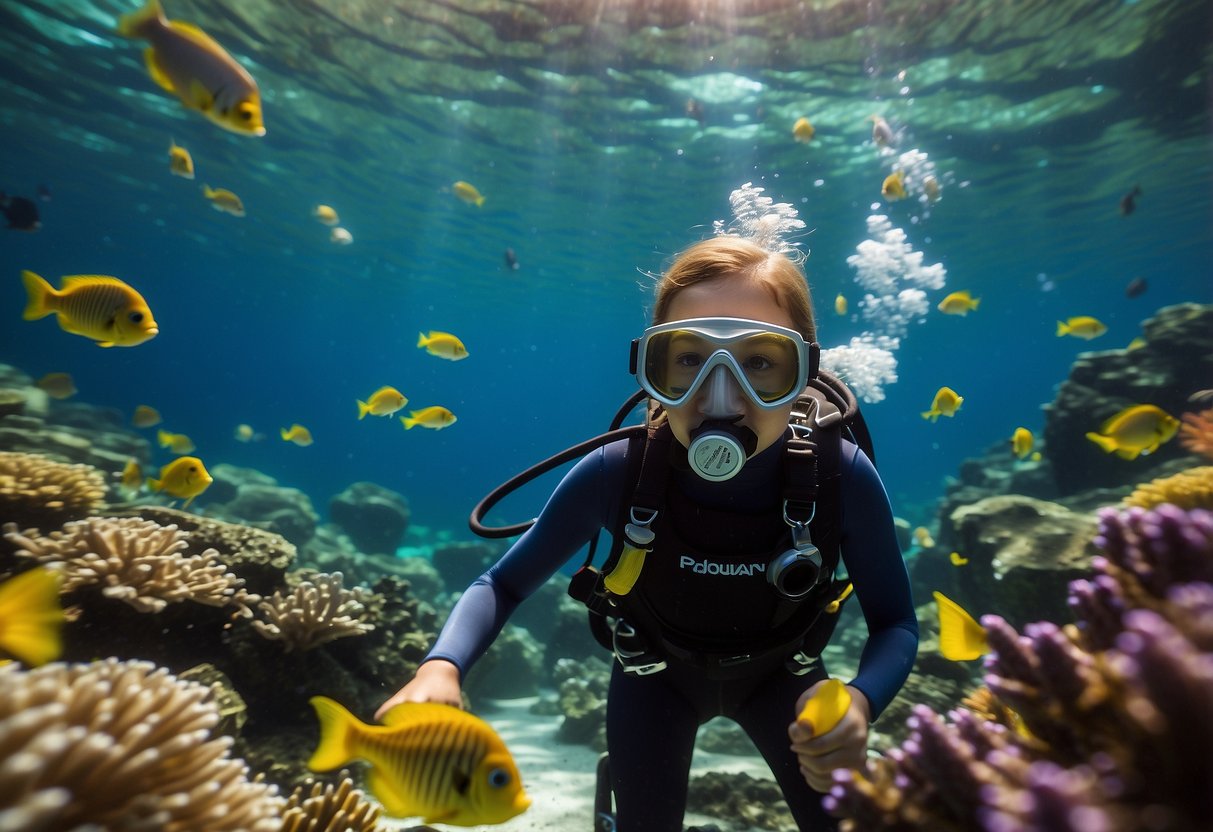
(429, 760)
(95, 306)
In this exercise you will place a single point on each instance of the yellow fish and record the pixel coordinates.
(957, 559)
(1083, 326)
(188, 62)
(298, 434)
(427, 759)
(894, 186)
(930, 187)
(184, 477)
(468, 193)
(95, 306)
(1136, 430)
(946, 403)
(840, 305)
(326, 214)
(340, 237)
(443, 345)
(178, 443)
(961, 639)
(31, 618)
(223, 200)
(826, 708)
(180, 162)
(882, 133)
(383, 402)
(57, 385)
(435, 418)
(132, 475)
(245, 433)
(1136, 344)
(802, 130)
(958, 303)
(145, 417)
(922, 536)
(1021, 442)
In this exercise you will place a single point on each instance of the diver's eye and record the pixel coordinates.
(135, 317)
(499, 777)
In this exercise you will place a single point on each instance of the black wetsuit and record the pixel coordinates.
(652, 720)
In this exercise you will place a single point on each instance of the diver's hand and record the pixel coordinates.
(844, 746)
(436, 681)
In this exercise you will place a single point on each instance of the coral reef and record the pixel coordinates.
(37, 491)
(1188, 489)
(374, 517)
(1103, 725)
(314, 807)
(740, 799)
(318, 610)
(275, 508)
(120, 746)
(1196, 432)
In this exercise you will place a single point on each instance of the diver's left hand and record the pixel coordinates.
(844, 746)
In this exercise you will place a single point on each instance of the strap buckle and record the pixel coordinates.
(631, 652)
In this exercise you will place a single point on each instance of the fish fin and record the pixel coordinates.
(338, 729)
(137, 24)
(193, 33)
(41, 296)
(479, 201)
(156, 71)
(31, 617)
(408, 422)
(422, 340)
(200, 97)
(187, 502)
(381, 787)
(106, 344)
(363, 409)
(1130, 453)
(933, 415)
(961, 638)
(154, 485)
(1107, 443)
(1062, 329)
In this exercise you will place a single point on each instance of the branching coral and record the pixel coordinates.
(1112, 717)
(330, 809)
(1188, 489)
(36, 490)
(318, 611)
(137, 561)
(122, 746)
(1196, 432)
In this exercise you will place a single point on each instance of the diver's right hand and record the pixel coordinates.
(436, 681)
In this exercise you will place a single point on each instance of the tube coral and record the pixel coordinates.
(1187, 489)
(36, 490)
(317, 611)
(1196, 432)
(328, 808)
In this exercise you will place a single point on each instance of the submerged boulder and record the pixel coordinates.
(373, 517)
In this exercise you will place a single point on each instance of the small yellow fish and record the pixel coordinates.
(427, 759)
(180, 162)
(957, 559)
(468, 193)
(145, 417)
(946, 403)
(298, 434)
(1136, 344)
(1083, 326)
(840, 305)
(187, 62)
(178, 443)
(435, 418)
(326, 214)
(132, 476)
(443, 345)
(340, 237)
(1021, 442)
(57, 385)
(95, 306)
(825, 708)
(803, 130)
(383, 402)
(31, 618)
(894, 186)
(882, 133)
(223, 200)
(961, 639)
(1135, 431)
(958, 303)
(245, 433)
(930, 187)
(184, 477)
(922, 536)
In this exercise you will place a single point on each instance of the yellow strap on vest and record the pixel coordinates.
(627, 570)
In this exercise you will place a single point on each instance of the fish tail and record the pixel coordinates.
(1107, 443)
(407, 422)
(286, 434)
(41, 296)
(138, 24)
(1062, 329)
(154, 485)
(208, 191)
(421, 339)
(479, 201)
(974, 303)
(30, 616)
(338, 728)
(363, 409)
(930, 414)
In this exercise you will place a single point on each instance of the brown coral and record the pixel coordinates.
(328, 808)
(1196, 432)
(1188, 489)
(318, 611)
(122, 746)
(37, 491)
(137, 561)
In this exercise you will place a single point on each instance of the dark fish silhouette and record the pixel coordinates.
(1136, 286)
(1128, 202)
(511, 259)
(21, 213)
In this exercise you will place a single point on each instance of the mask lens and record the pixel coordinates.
(769, 362)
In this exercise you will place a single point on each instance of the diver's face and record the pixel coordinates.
(728, 297)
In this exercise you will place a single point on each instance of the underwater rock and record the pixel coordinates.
(233, 712)
(374, 517)
(461, 563)
(737, 797)
(282, 510)
(510, 669)
(723, 736)
(1176, 360)
(582, 690)
(229, 479)
(570, 636)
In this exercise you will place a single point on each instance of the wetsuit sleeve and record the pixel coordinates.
(882, 585)
(582, 503)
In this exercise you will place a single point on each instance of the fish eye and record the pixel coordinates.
(246, 111)
(499, 777)
(136, 317)
(193, 469)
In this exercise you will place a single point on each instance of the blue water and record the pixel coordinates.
(264, 322)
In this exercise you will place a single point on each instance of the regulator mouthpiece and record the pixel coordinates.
(719, 449)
